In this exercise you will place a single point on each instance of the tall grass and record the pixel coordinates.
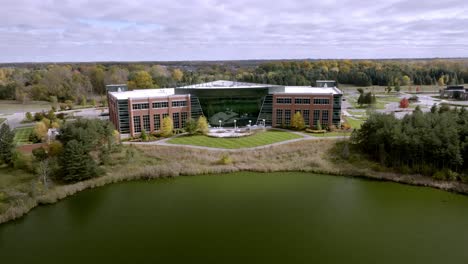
(152, 162)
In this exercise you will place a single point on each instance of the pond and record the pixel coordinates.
(245, 217)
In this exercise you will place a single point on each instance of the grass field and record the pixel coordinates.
(330, 134)
(22, 135)
(10, 106)
(381, 89)
(354, 123)
(259, 139)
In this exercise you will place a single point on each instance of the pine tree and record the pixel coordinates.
(76, 164)
(7, 144)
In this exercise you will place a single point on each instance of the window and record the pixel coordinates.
(305, 101)
(325, 117)
(140, 106)
(146, 123)
(157, 122)
(283, 100)
(175, 119)
(184, 118)
(279, 117)
(306, 114)
(179, 103)
(161, 105)
(321, 101)
(136, 124)
(287, 117)
(316, 116)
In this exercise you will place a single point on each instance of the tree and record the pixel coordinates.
(43, 169)
(319, 125)
(441, 81)
(75, 163)
(191, 126)
(297, 121)
(7, 144)
(41, 129)
(28, 116)
(202, 125)
(405, 80)
(167, 127)
(177, 75)
(404, 103)
(141, 80)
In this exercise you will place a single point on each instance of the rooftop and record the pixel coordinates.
(310, 90)
(144, 93)
(222, 84)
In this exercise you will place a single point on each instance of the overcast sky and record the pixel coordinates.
(133, 30)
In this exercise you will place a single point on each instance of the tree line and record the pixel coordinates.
(75, 81)
(433, 143)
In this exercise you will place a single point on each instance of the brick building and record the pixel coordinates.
(225, 101)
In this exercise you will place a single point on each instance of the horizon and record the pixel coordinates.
(220, 30)
(234, 60)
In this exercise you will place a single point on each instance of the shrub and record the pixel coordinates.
(20, 162)
(404, 103)
(143, 135)
(29, 116)
(225, 159)
(40, 154)
(202, 125)
(297, 121)
(69, 104)
(38, 116)
(439, 175)
(191, 126)
(63, 107)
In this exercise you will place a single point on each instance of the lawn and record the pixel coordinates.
(354, 123)
(22, 135)
(10, 106)
(258, 139)
(330, 134)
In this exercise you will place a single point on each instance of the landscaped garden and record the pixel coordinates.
(258, 139)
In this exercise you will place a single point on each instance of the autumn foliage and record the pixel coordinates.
(404, 103)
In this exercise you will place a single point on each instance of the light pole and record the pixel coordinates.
(250, 125)
(235, 127)
(263, 122)
(219, 124)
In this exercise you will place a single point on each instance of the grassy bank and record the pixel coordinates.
(152, 162)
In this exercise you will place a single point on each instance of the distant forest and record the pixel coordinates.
(74, 81)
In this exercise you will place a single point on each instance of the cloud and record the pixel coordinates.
(59, 30)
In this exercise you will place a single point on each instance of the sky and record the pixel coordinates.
(154, 30)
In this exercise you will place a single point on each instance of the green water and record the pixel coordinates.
(245, 218)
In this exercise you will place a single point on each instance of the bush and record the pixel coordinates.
(38, 116)
(29, 116)
(143, 135)
(191, 126)
(225, 159)
(20, 162)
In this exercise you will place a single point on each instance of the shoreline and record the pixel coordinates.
(153, 172)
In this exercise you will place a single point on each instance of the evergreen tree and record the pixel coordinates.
(76, 163)
(7, 144)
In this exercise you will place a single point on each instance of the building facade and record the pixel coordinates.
(225, 101)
